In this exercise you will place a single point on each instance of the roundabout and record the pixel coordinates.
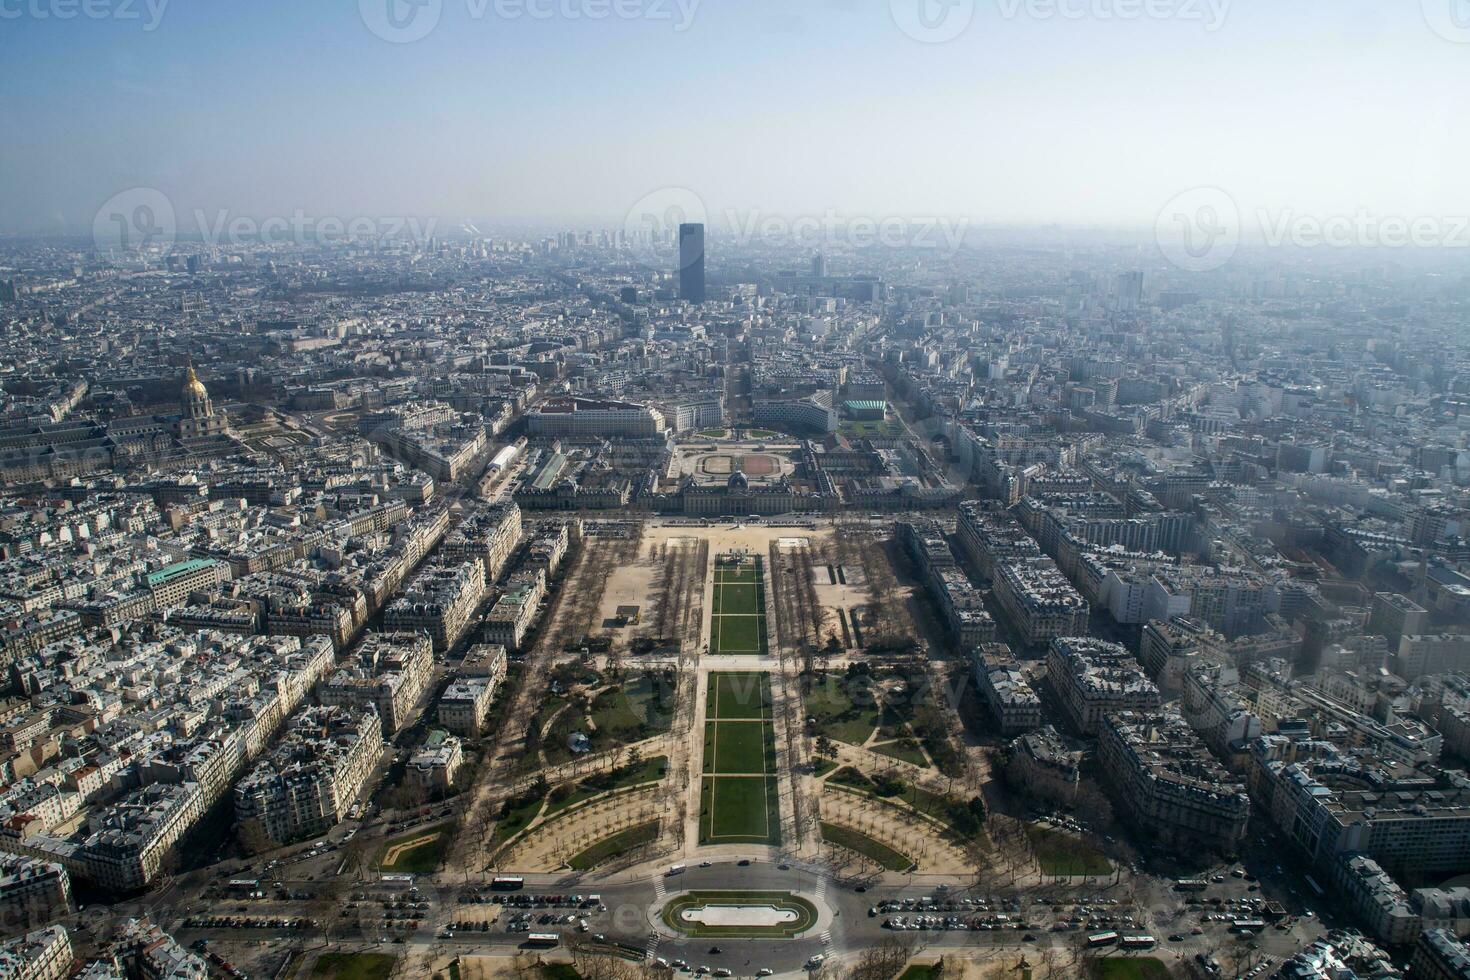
(739, 915)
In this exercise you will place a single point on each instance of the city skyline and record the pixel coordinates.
(734, 490)
(1029, 114)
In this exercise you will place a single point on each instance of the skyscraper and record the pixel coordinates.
(1130, 290)
(691, 263)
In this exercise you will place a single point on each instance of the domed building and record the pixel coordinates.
(198, 418)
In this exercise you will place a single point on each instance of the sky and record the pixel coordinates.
(1086, 113)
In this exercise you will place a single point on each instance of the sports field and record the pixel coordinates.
(738, 616)
(739, 802)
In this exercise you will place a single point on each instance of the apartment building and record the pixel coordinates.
(435, 766)
(389, 672)
(441, 602)
(590, 418)
(1167, 784)
(1093, 678)
(1044, 767)
(514, 613)
(32, 892)
(308, 782)
(172, 584)
(1375, 900)
(1039, 601)
(1412, 820)
(1439, 955)
(45, 954)
(1432, 653)
(145, 951)
(1013, 704)
(990, 539)
(1215, 706)
(466, 702)
(489, 534)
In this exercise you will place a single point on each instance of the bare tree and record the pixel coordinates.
(885, 959)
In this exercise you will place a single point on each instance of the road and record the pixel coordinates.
(632, 900)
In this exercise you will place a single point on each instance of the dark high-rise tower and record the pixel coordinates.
(691, 263)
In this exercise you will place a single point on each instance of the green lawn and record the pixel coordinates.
(423, 859)
(739, 810)
(548, 708)
(1063, 854)
(739, 738)
(905, 749)
(713, 433)
(650, 772)
(612, 846)
(887, 429)
(736, 635)
(738, 747)
(354, 966)
(737, 620)
(848, 776)
(632, 712)
(843, 708)
(515, 821)
(875, 851)
(1132, 968)
(738, 600)
(737, 574)
(737, 695)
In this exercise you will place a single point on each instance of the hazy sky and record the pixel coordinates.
(267, 107)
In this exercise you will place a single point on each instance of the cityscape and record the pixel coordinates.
(671, 584)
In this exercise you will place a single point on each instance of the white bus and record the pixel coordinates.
(507, 883)
(1102, 939)
(1138, 941)
(544, 940)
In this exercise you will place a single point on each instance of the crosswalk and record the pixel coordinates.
(659, 891)
(826, 940)
(651, 946)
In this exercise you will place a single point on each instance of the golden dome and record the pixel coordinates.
(194, 389)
